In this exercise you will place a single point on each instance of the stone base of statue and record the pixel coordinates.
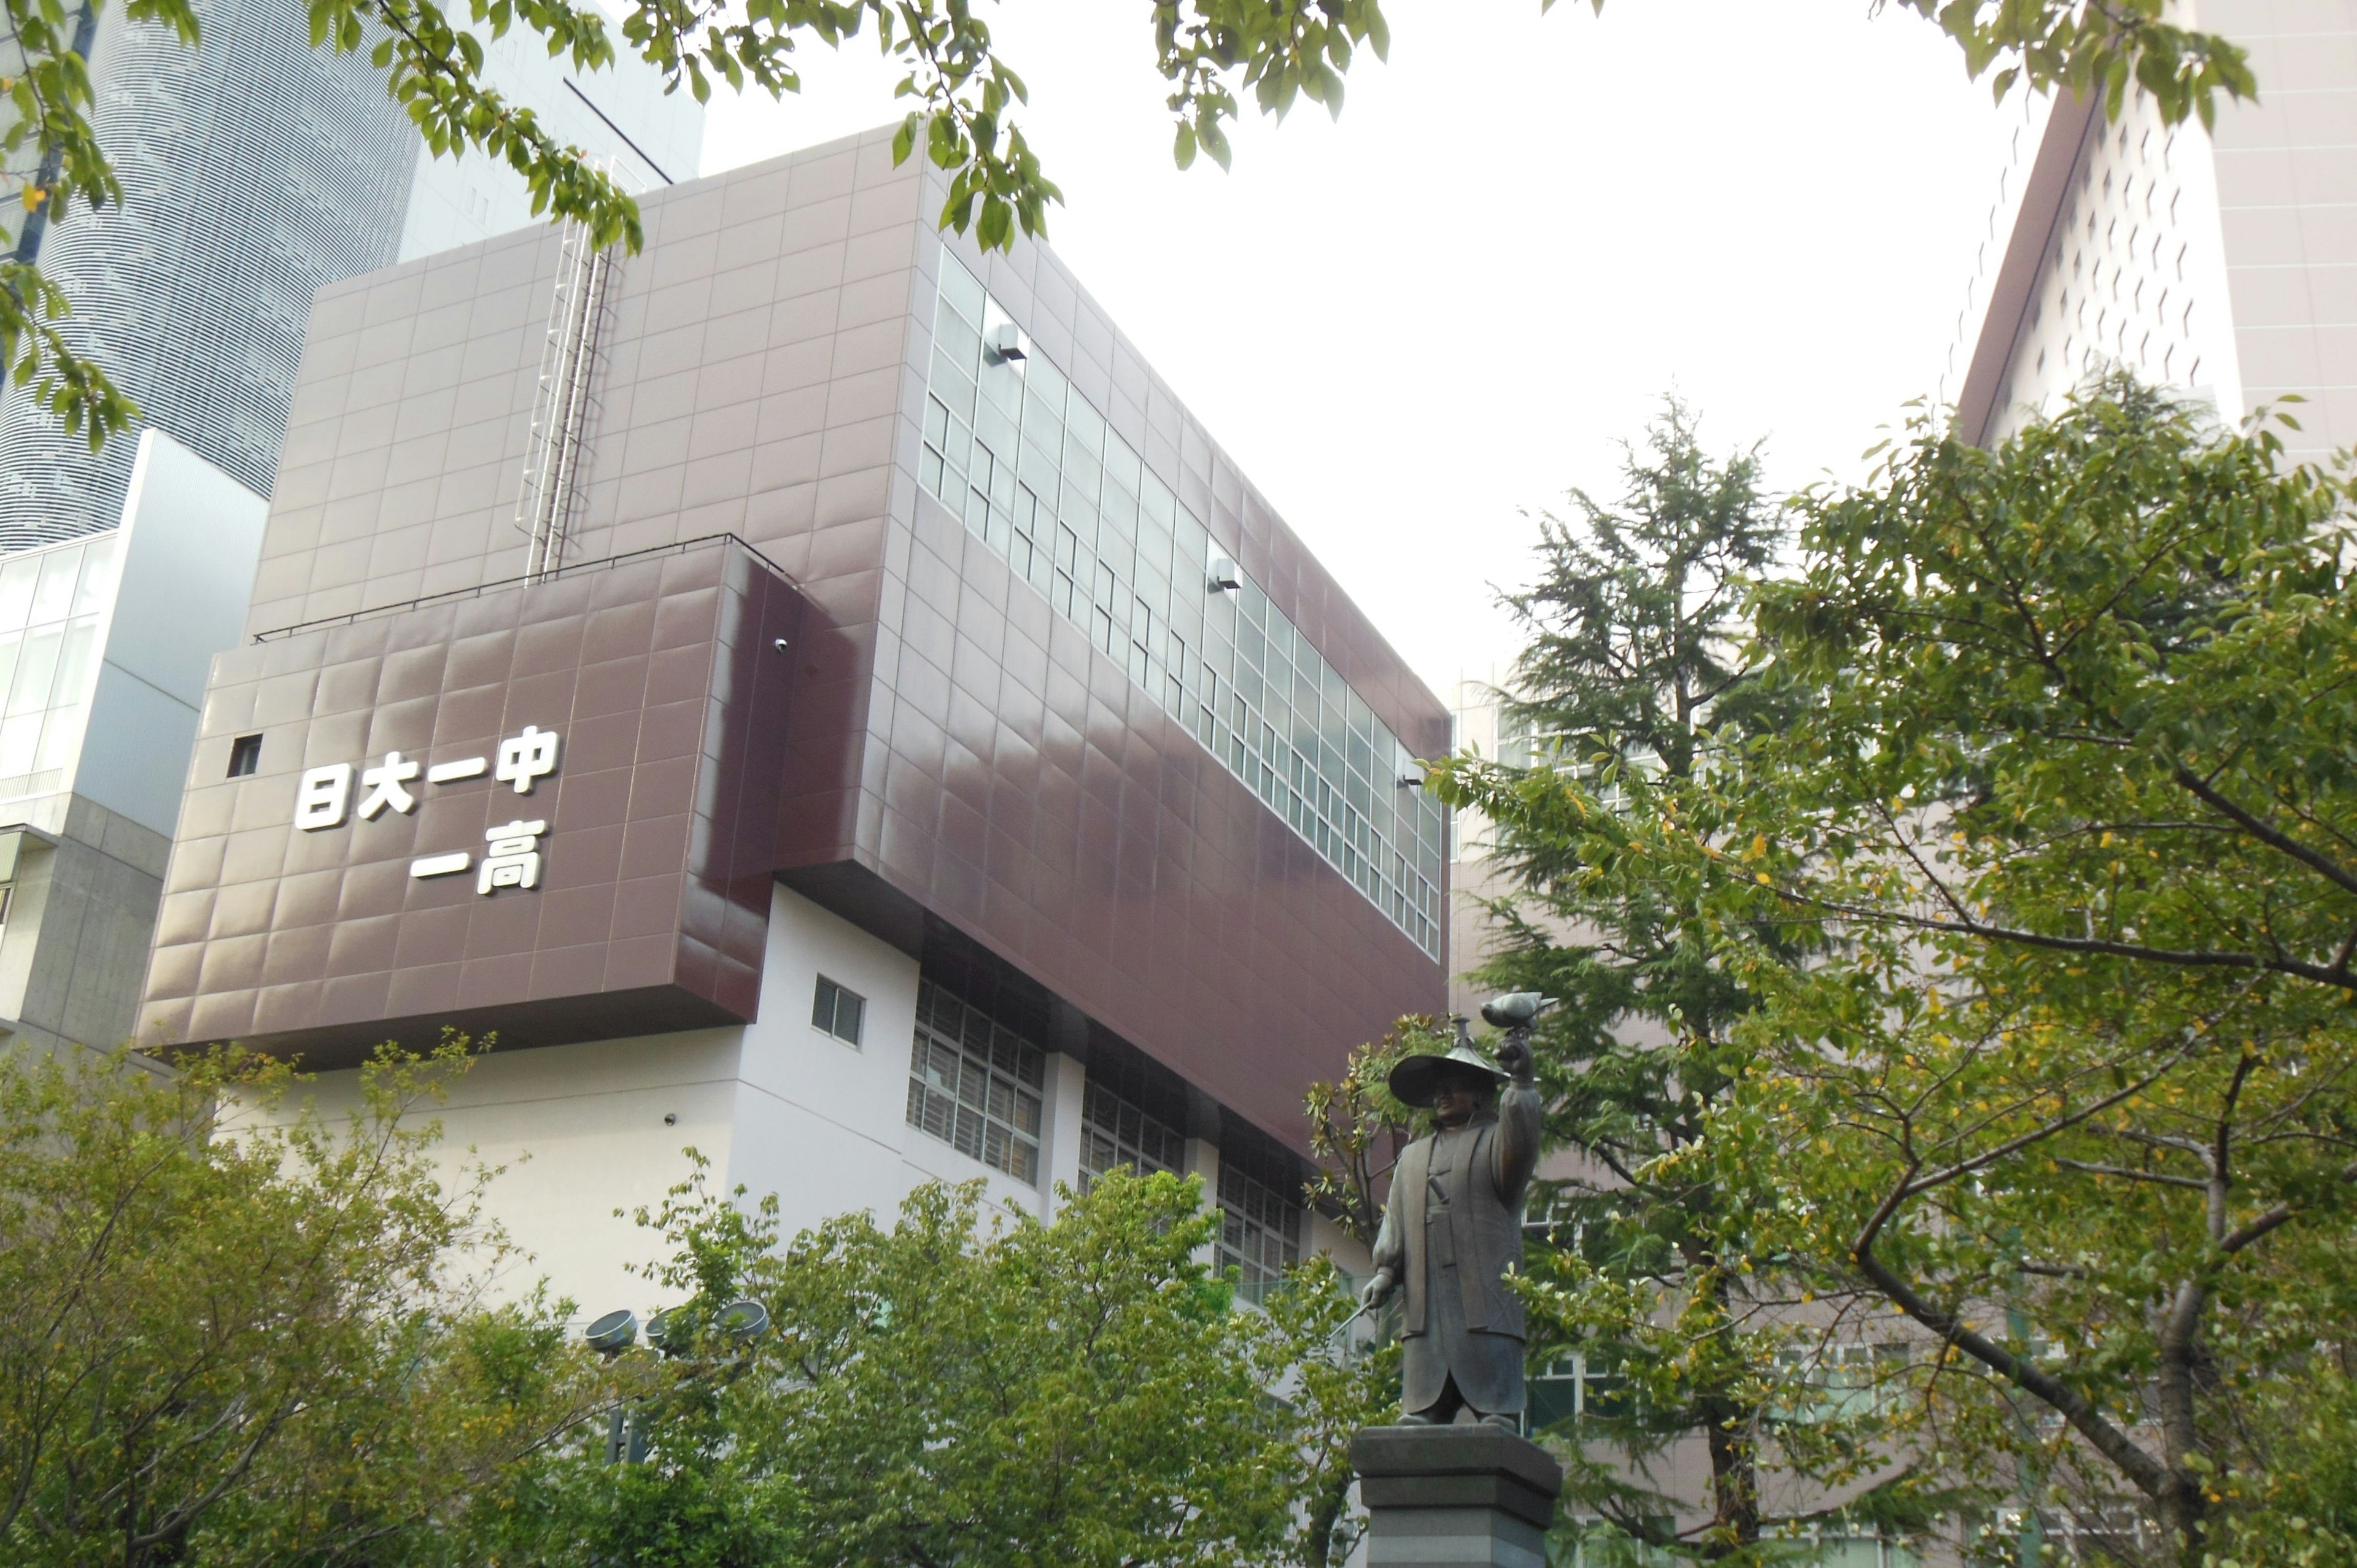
(1461, 1496)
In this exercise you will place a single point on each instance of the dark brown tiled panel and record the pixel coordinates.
(662, 678)
(1018, 784)
(955, 745)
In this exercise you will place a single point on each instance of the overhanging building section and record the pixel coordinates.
(1153, 775)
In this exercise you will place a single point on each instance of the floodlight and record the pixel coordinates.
(1222, 577)
(1004, 345)
(614, 1332)
(740, 1320)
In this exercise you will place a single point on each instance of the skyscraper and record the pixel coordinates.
(2222, 262)
(255, 169)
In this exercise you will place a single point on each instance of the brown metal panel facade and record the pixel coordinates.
(954, 752)
(542, 810)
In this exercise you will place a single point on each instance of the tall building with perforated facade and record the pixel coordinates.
(255, 169)
(2223, 264)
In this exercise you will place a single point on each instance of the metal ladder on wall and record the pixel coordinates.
(565, 406)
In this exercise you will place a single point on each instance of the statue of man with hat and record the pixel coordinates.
(1452, 1228)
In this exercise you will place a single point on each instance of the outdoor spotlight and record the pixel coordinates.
(659, 1330)
(742, 1319)
(613, 1334)
(1516, 1010)
(1411, 782)
(1222, 577)
(779, 645)
(1004, 344)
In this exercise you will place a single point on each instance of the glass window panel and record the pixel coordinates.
(1043, 407)
(20, 737)
(1122, 465)
(16, 580)
(1002, 389)
(36, 670)
(53, 596)
(97, 574)
(1155, 499)
(1046, 380)
(1085, 426)
(1119, 510)
(993, 429)
(953, 386)
(59, 733)
(961, 291)
(74, 663)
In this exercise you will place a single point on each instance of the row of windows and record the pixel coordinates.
(1260, 1230)
(1036, 474)
(1115, 1133)
(976, 1085)
(51, 602)
(979, 1085)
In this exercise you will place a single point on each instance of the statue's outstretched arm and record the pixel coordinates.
(1515, 1150)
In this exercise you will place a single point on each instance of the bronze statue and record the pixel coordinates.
(1453, 1226)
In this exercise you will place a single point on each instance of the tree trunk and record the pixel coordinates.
(1728, 1432)
(1734, 1476)
(2182, 1504)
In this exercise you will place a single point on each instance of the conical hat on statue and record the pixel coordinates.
(1413, 1078)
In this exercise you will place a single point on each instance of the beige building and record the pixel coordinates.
(2223, 263)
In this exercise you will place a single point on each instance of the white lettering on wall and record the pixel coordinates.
(512, 856)
(322, 796)
(384, 783)
(527, 756)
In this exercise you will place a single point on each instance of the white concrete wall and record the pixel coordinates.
(777, 1106)
(190, 539)
(826, 1126)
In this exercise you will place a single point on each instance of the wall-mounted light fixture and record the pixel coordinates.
(1004, 345)
(1222, 575)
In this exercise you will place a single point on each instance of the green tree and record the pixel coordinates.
(239, 1334)
(970, 1387)
(2067, 1086)
(963, 99)
(1638, 675)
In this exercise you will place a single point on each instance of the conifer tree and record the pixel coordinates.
(1638, 676)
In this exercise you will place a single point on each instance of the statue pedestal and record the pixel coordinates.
(1459, 1496)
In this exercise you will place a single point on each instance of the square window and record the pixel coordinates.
(838, 1011)
(244, 755)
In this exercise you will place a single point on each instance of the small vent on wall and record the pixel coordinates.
(566, 406)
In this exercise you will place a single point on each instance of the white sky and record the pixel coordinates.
(1411, 325)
